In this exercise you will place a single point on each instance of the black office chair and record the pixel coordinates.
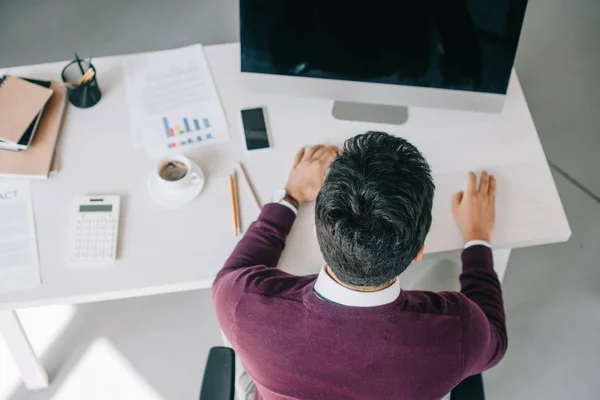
(219, 379)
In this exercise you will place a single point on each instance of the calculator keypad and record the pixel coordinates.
(95, 238)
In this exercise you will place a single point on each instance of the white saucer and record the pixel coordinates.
(179, 198)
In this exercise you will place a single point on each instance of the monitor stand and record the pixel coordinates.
(365, 112)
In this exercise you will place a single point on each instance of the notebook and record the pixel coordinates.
(20, 103)
(38, 160)
(25, 141)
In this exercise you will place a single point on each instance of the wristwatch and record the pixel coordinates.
(282, 195)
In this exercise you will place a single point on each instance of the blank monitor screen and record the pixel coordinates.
(448, 44)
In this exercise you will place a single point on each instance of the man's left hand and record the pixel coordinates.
(308, 172)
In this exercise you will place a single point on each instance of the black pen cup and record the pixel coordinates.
(81, 94)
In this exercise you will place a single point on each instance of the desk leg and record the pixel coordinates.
(32, 371)
(501, 258)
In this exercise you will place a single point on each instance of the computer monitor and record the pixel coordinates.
(454, 54)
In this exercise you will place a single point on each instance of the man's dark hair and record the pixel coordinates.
(374, 209)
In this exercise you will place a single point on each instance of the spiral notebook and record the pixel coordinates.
(20, 104)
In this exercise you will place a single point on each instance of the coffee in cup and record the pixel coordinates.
(175, 174)
(172, 170)
(175, 180)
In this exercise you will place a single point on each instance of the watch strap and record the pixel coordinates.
(290, 199)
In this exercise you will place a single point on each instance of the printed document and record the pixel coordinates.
(19, 264)
(173, 102)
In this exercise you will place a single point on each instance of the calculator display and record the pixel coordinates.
(95, 208)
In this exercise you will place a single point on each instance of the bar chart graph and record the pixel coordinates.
(195, 130)
(186, 127)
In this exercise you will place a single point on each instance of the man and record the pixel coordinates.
(350, 332)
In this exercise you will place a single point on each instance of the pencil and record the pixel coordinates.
(79, 63)
(87, 76)
(237, 203)
(233, 208)
(250, 186)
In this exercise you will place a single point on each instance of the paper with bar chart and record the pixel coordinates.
(173, 102)
(193, 130)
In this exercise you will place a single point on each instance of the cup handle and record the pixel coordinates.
(194, 178)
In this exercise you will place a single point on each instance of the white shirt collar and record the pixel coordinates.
(327, 288)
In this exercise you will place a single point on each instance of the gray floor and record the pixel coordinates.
(165, 339)
(552, 293)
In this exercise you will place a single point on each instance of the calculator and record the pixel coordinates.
(95, 230)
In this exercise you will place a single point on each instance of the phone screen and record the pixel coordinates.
(255, 129)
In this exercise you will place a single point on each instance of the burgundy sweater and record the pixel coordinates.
(295, 345)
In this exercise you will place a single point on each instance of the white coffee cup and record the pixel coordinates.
(188, 177)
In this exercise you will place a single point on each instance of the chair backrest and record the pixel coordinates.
(469, 389)
(219, 375)
(219, 379)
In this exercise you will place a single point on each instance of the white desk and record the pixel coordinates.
(164, 251)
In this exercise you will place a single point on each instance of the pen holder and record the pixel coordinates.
(83, 92)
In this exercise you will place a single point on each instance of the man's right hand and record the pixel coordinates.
(308, 173)
(474, 209)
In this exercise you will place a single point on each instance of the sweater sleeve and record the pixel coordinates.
(264, 241)
(484, 340)
(253, 260)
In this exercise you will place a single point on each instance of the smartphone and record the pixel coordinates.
(255, 129)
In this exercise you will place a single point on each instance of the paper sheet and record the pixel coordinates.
(173, 102)
(19, 264)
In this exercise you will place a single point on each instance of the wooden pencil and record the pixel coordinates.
(237, 203)
(233, 208)
(254, 196)
(87, 76)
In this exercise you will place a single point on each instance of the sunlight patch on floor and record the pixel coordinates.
(43, 326)
(103, 373)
